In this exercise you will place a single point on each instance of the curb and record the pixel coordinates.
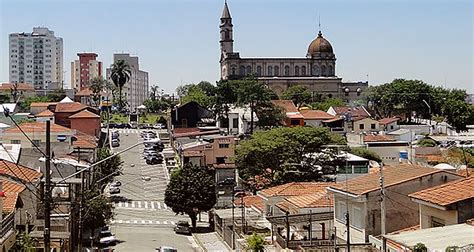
(199, 243)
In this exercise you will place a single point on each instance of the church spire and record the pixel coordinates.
(225, 12)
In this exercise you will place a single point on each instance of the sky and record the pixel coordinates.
(177, 41)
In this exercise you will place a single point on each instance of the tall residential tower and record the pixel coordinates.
(36, 58)
(84, 70)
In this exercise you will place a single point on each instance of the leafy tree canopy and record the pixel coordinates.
(97, 209)
(300, 95)
(256, 243)
(191, 190)
(426, 142)
(365, 153)
(326, 103)
(283, 155)
(111, 166)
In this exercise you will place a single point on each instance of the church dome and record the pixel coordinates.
(319, 45)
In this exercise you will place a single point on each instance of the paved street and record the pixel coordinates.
(143, 221)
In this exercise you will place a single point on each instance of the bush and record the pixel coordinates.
(363, 152)
(256, 243)
(426, 142)
(452, 249)
(420, 247)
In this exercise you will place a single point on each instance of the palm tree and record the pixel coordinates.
(120, 74)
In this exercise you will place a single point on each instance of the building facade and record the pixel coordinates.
(136, 89)
(36, 58)
(316, 71)
(84, 69)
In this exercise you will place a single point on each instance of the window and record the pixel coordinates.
(233, 70)
(235, 123)
(270, 71)
(356, 219)
(316, 71)
(297, 70)
(361, 126)
(323, 71)
(223, 146)
(36, 143)
(287, 71)
(295, 122)
(15, 141)
(277, 71)
(341, 211)
(248, 70)
(330, 71)
(372, 126)
(259, 70)
(220, 160)
(242, 70)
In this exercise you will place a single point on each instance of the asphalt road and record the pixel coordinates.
(143, 221)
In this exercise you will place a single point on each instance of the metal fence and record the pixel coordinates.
(7, 224)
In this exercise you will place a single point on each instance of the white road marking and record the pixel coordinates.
(152, 205)
(158, 222)
(165, 206)
(159, 205)
(133, 204)
(172, 223)
(120, 204)
(135, 222)
(150, 222)
(126, 204)
(143, 222)
(120, 221)
(165, 222)
(146, 204)
(127, 221)
(139, 204)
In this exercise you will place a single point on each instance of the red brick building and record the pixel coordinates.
(87, 122)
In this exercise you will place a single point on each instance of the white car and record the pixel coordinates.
(106, 238)
(166, 249)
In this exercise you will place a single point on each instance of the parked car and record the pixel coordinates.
(107, 238)
(115, 143)
(182, 227)
(149, 152)
(115, 134)
(165, 249)
(114, 190)
(159, 126)
(151, 160)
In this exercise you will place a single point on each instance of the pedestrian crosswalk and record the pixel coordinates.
(144, 222)
(151, 205)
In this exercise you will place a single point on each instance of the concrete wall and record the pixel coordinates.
(314, 123)
(391, 154)
(367, 122)
(427, 213)
(25, 143)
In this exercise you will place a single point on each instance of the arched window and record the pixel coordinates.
(297, 70)
(249, 70)
(277, 71)
(323, 71)
(287, 71)
(227, 35)
(259, 71)
(316, 71)
(270, 71)
(233, 70)
(242, 70)
(303, 70)
(330, 71)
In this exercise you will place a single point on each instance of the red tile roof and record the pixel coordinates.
(315, 115)
(295, 188)
(319, 198)
(251, 201)
(45, 113)
(84, 92)
(84, 141)
(224, 166)
(378, 138)
(38, 127)
(388, 120)
(84, 114)
(18, 171)
(184, 130)
(355, 111)
(67, 107)
(287, 105)
(42, 104)
(20, 86)
(11, 190)
(393, 175)
(448, 193)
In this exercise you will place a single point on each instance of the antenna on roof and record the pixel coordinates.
(319, 24)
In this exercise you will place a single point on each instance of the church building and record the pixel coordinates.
(316, 71)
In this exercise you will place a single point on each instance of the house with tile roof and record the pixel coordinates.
(45, 115)
(87, 122)
(446, 204)
(37, 107)
(24, 90)
(63, 110)
(360, 197)
(314, 117)
(293, 116)
(389, 123)
(8, 200)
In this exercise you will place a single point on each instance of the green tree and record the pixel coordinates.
(191, 190)
(226, 96)
(365, 153)
(300, 95)
(207, 88)
(256, 243)
(426, 142)
(270, 116)
(97, 86)
(120, 74)
(103, 172)
(56, 95)
(420, 247)
(97, 210)
(14, 92)
(24, 243)
(253, 94)
(196, 94)
(285, 154)
(25, 104)
(325, 104)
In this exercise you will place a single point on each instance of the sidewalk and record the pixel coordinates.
(211, 242)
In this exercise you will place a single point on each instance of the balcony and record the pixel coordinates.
(7, 224)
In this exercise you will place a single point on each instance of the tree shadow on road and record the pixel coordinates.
(117, 199)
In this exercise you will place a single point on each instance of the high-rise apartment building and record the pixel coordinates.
(135, 90)
(36, 58)
(85, 69)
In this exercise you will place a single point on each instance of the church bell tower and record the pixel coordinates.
(226, 41)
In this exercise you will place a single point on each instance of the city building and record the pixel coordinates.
(84, 69)
(316, 71)
(135, 90)
(36, 58)
(360, 197)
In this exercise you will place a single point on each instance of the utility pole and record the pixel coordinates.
(382, 204)
(348, 228)
(47, 189)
